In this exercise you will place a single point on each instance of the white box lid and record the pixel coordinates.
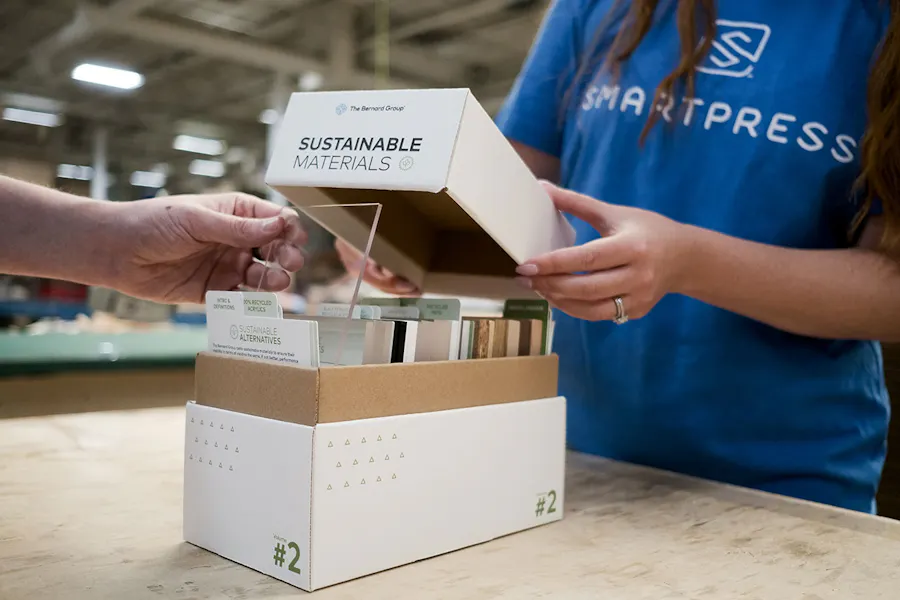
(460, 207)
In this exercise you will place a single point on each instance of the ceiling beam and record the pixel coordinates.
(82, 26)
(446, 19)
(123, 19)
(128, 111)
(342, 47)
(224, 47)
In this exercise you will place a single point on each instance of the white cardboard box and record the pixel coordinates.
(316, 477)
(460, 208)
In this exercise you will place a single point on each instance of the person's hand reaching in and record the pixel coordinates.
(639, 257)
(170, 249)
(186, 245)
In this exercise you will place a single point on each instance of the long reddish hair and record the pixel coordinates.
(696, 20)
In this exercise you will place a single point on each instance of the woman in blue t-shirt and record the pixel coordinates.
(719, 313)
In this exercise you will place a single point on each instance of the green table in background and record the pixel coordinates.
(54, 352)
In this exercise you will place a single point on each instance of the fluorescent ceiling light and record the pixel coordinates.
(31, 117)
(207, 168)
(199, 129)
(268, 116)
(30, 102)
(75, 172)
(310, 81)
(109, 76)
(198, 145)
(148, 179)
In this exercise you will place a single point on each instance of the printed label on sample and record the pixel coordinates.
(250, 304)
(275, 340)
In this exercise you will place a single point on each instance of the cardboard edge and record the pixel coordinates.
(459, 122)
(196, 388)
(470, 104)
(230, 375)
(550, 225)
(481, 286)
(312, 509)
(184, 474)
(318, 398)
(355, 403)
(564, 458)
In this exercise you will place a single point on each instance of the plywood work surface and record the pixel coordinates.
(90, 507)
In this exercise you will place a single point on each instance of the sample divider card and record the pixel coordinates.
(343, 311)
(498, 340)
(501, 338)
(437, 340)
(439, 331)
(262, 338)
(538, 310)
(466, 338)
(513, 338)
(483, 338)
(360, 222)
(249, 304)
(530, 333)
(405, 339)
(249, 324)
(398, 313)
(366, 342)
(430, 309)
(379, 343)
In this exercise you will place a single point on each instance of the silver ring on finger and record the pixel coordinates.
(621, 316)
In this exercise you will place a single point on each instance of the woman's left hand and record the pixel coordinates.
(641, 257)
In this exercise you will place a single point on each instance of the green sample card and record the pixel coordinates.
(530, 309)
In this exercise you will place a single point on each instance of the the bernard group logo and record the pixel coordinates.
(234, 332)
(737, 48)
(340, 109)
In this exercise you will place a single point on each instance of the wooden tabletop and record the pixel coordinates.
(90, 507)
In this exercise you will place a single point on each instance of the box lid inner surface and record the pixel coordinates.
(431, 229)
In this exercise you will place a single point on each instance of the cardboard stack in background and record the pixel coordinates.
(317, 476)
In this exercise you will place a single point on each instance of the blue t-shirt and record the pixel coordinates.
(766, 150)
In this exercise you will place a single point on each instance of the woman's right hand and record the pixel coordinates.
(373, 274)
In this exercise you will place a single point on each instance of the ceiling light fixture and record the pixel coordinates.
(31, 117)
(269, 116)
(198, 145)
(78, 172)
(121, 79)
(148, 179)
(207, 168)
(39, 103)
(310, 81)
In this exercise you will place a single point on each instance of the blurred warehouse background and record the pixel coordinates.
(128, 99)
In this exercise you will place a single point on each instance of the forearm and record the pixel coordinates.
(47, 233)
(836, 294)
